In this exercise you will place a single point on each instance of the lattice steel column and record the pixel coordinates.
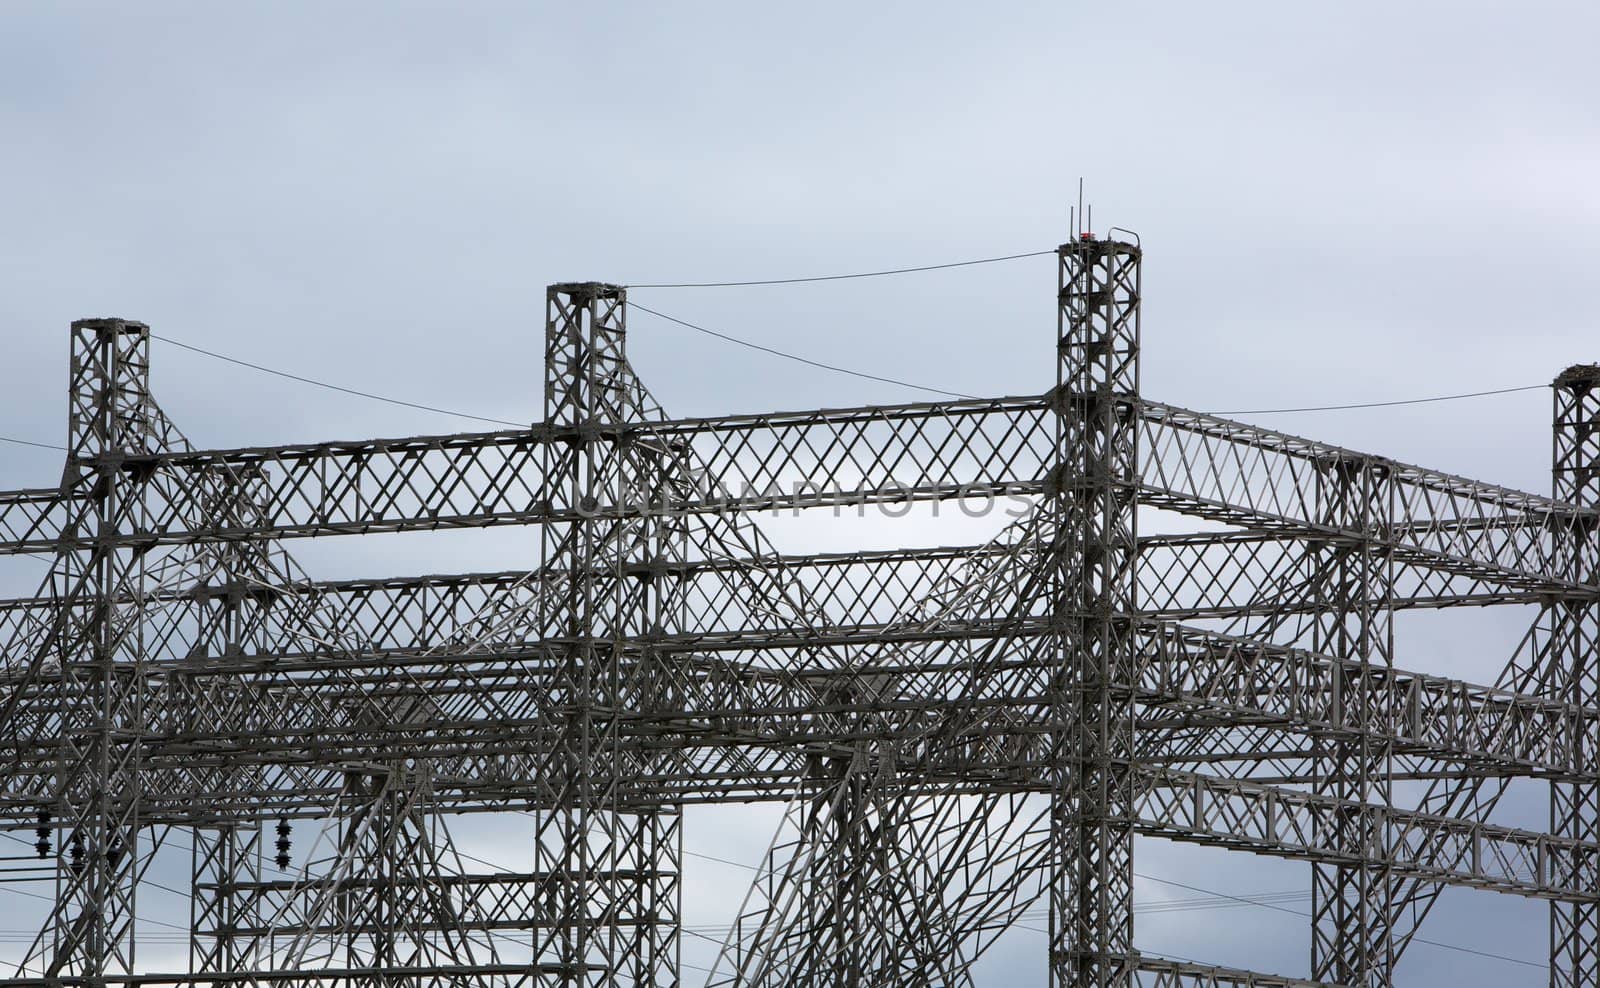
(221, 917)
(1351, 938)
(1575, 659)
(651, 603)
(1094, 498)
(226, 860)
(609, 870)
(101, 658)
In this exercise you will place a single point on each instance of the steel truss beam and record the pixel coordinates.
(1196, 464)
(1185, 670)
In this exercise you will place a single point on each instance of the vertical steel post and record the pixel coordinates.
(226, 857)
(1351, 939)
(1094, 496)
(607, 865)
(222, 916)
(1574, 675)
(648, 604)
(101, 659)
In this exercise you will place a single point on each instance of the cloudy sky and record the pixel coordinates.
(1339, 203)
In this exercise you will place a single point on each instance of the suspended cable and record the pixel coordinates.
(959, 394)
(708, 857)
(30, 442)
(142, 881)
(334, 387)
(1301, 913)
(788, 356)
(845, 277)
(1385, 404)
(796, 357)
(1268, 900)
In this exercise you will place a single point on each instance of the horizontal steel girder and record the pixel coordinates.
(1192, 463)
(284, 709)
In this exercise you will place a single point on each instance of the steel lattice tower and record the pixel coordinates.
(1574, 667)
(1190, 634)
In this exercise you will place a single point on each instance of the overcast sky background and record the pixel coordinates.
(1360, 202)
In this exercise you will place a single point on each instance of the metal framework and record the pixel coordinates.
(1188, 634)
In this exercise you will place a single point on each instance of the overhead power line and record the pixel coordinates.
(1268, 900)
(959, 394)
(29, 442)
(1385, 404)
(1298, 912)
(333, 387)
(796, 357)
(787, 356)
(846, 277)
(773, 351)
(768, 350)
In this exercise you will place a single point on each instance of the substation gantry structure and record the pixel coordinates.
(956, 735)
